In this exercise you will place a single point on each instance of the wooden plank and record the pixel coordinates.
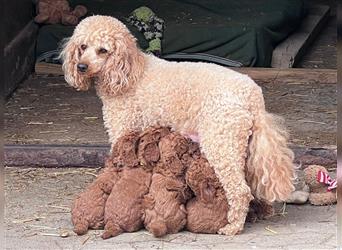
(291, 76)
(287, 53)
(48, 69)
(94, 155)
(55, 155)
(260, 75)
(19, 57)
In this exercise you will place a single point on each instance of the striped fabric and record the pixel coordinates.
(323, 177)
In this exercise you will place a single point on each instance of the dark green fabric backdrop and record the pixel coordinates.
(243, 30)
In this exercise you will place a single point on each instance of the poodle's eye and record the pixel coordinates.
(102, 51)
(83, 46)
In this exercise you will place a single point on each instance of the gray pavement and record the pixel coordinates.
(37, 216)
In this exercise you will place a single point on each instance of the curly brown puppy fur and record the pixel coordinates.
(88, 208)
(123, 210)
(148, 150)
(165, 204)
(124, 152)
(157, 201)
(259, 209)
(207, 212)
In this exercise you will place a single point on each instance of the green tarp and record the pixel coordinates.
(245, 31)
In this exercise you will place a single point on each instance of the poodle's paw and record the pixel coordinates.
(230, 229)
(235, 223)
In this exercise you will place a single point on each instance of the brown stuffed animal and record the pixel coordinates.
(88, 208)
(165, 203)
(319, 194)
(58, 11)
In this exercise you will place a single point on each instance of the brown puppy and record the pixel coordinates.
(148, 149)
(123, 210)
(208, 209)
(88, 208)
(207, 212)
(165, 203)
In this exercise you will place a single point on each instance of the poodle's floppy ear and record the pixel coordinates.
(124, 66)
(70, 57)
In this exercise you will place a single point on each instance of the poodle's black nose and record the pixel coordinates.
(82, 67)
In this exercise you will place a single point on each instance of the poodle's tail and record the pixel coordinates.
(270, 169)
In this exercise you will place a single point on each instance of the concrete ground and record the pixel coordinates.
(37, 217)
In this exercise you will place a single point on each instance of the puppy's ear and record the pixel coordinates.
(207, 192)
(70, 57)
(124, 66)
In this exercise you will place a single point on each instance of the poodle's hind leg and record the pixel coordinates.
(224, 140)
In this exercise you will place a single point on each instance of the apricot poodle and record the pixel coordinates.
(223, 109)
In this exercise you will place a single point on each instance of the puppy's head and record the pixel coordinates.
(103, 50)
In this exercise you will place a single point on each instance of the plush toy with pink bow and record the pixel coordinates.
(322, 186)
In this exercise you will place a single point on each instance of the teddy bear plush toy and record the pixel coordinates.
(58, 11)
(322, 187)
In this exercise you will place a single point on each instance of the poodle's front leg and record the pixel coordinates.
(224, 140)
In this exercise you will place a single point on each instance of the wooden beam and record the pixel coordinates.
(94, 155)
(260, 75)
(19, 57)
(290, 76)
(288, 52)
(55, 155)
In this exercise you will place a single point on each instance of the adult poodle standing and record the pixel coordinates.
(224, 109)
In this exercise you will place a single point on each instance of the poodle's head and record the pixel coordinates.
(102, 50)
